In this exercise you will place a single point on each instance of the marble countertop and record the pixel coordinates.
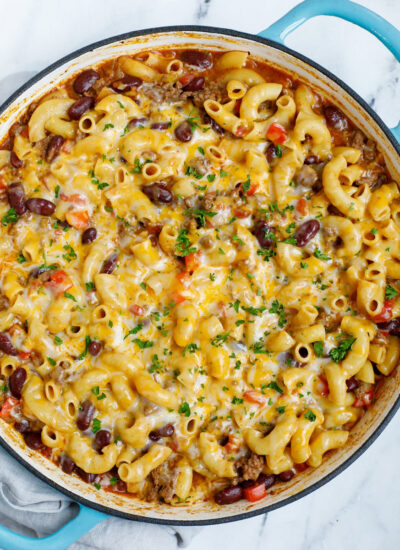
(361, 507)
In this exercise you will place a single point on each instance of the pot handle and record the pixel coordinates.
(60, 540)
(345, 9)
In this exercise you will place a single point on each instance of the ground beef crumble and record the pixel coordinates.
(250, 467)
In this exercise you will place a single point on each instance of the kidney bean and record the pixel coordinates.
(392, 327)
(89, 235)
(197, 59)
(67, 464)
(110, 264)
(196, 84)
(183, 131)
(34, 441)
(165, 431)
(15, 160)
(306, 231)
(271, 152)
(158, 192)
(335, 118)
(6, 346)
(16, 197)
(16, 381)
(263, 232)
(95, 348)
(214, 125)
(312, 159)
(53, 148)
(287, 475)
(267, 479)
(80, 107)
(23, 426)
(41, 206)
(134, 122)
(352, 384)
(229, 495)
(102, 439)
(85, 81)
(85, 415)
(89, 478)
(160, 125)
(126, 83)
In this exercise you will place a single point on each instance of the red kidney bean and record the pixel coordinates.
(158, 192)
(16, 197)
(110, 264)
(23, 426)
(89, 478)
(352, 384)
(196, 58)
(196, 84)
(271, 152)
(287, 475)
(126, 83)
(34, 441)
(95, 348)
(41, 206)
(160, 125)
(306, 231)
(229, 495)
(102, 439)
(214, 125)
(53, 148)
(312, 159)
(15, 160)
(268, 481)
(17, 381)
(165, 431)
(263, 233)
(335, 118)
(89, 235)
(85, 81)
(6, 346)
(80, 107)
(67, 464)
(85, 415)
(392, 327)
(134, 122)
(183, 131)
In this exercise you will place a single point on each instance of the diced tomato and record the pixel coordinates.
(236, 108)
(365, 400)
(301, 467)
(241, 213)
(322, 386)
(233, 444)
(277, 133)
(240, 131)
(192, 261)
(2, 184)
(386, 313)
(186, 78)
(7, 407)
(24, 355)
(183, 278)
(76, 198)
(257, 492)
(59, 282)
(302, 207)
(78, 219)
(254, 396)
(67, 146)
(136, 309)
(177, 298)
(251, 190)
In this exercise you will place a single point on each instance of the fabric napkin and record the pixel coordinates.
(30, 507)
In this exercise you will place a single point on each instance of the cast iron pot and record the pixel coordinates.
(95, 505)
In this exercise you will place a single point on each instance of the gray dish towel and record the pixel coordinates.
(30, 507)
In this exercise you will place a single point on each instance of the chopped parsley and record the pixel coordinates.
(107, 126)
(200, 215)
(184, 409)
(88, 341)
(281, 410)
(191, 348)
(143, 344)
(191, 171)
(134, 330)
(21, 258)
(309, 415)
(57, 340)
(51, 361)
(10, 217)
(69, 296)
(318, 348)
(220, 339)
(237, 400)
(156, 364)
(278, 308)
(345, 345)
(89, 286)
(318, 254)
(211, 177)
(96, 425)
(182, 246)
(390, 292)
(274, 386)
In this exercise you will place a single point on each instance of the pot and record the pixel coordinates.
(95, 506)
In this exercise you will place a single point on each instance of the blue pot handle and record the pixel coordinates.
(345, 9)
(60, 540)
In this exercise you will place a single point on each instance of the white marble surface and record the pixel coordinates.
(361, 507)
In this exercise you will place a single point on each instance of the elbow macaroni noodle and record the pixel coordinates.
(198, 279)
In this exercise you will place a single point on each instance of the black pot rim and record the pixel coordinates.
(268, 508)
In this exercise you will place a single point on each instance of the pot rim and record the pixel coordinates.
(388, 134)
